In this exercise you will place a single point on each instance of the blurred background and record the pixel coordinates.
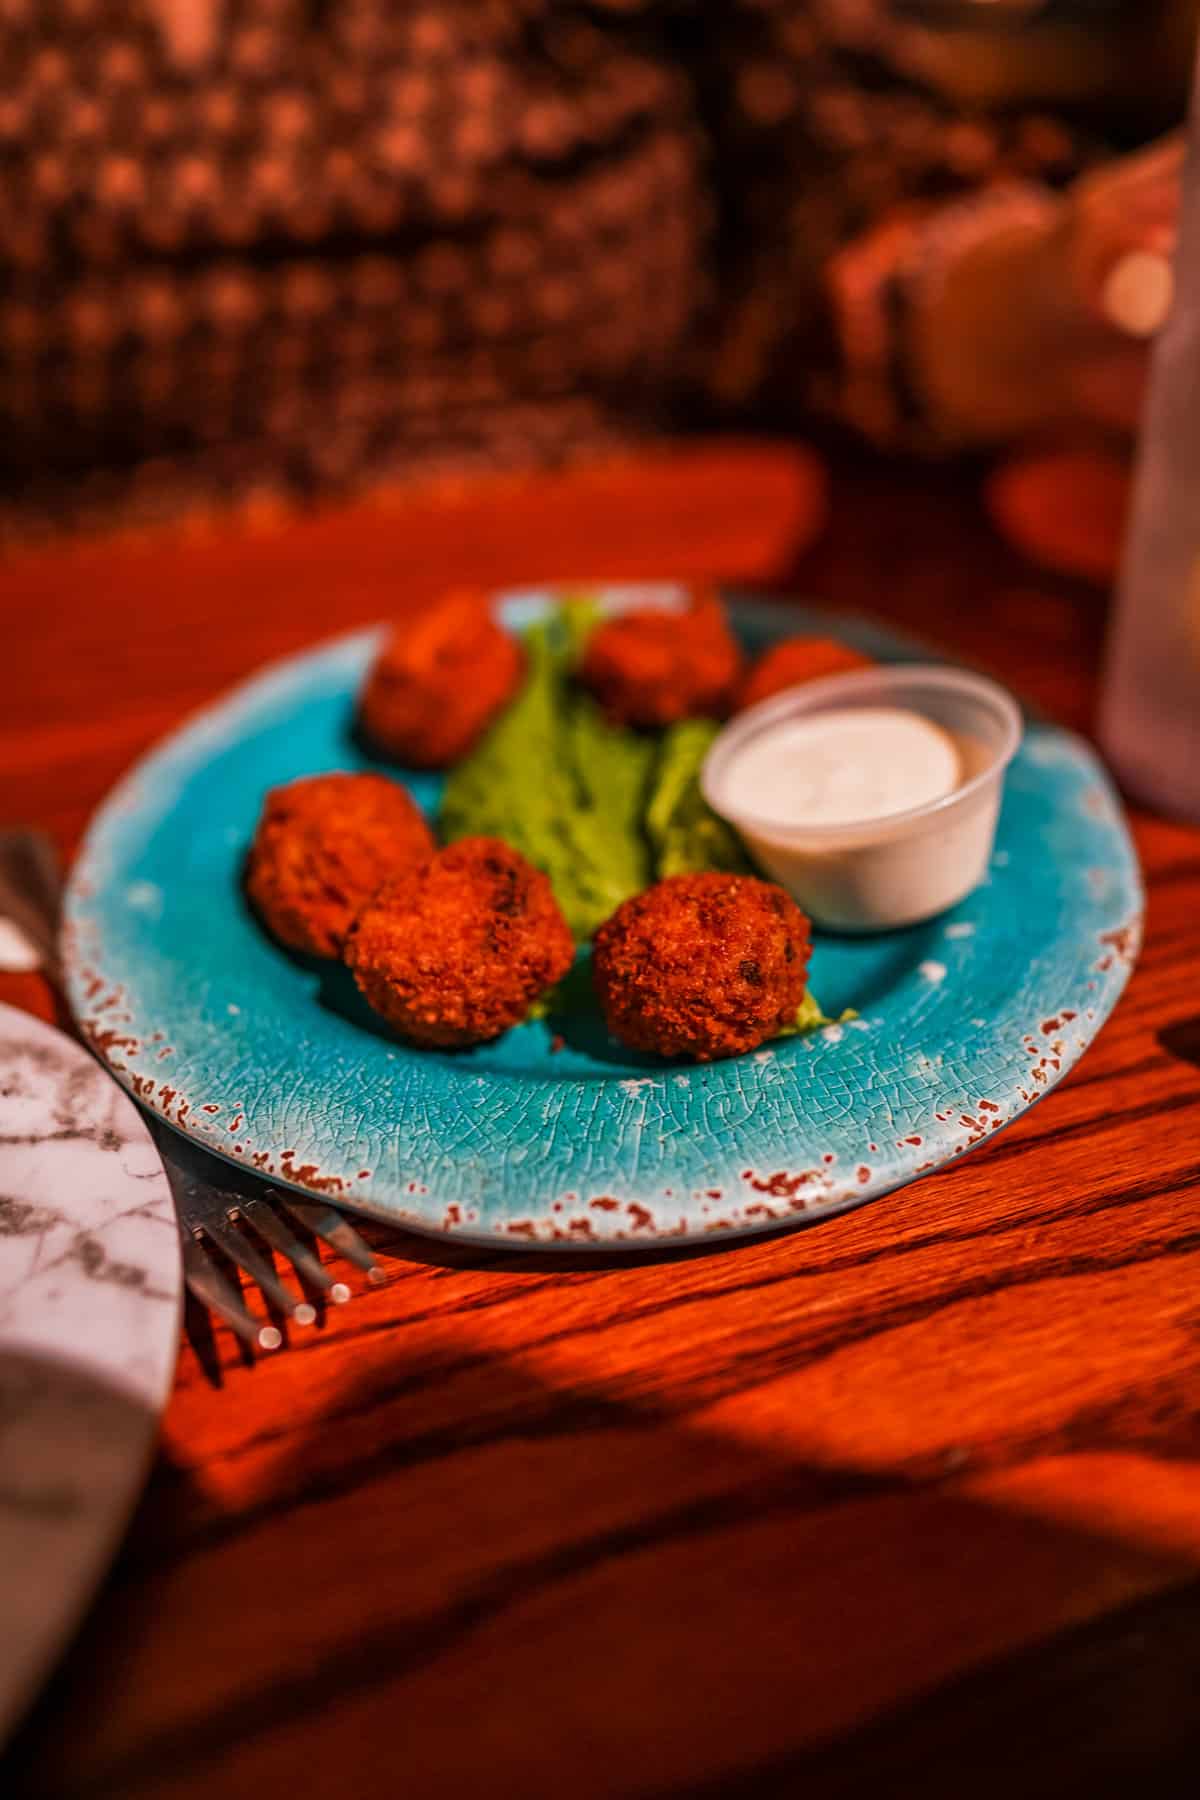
(260, 253)
(313, 309)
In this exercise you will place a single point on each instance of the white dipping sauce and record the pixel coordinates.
(844, 767)
(871, 812)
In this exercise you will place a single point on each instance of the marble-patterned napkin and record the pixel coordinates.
(89, 1326)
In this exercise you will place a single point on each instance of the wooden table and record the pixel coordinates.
(908, 1497)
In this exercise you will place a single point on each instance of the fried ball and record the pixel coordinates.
(652, 667)
(793, 662)
(455, 952)
(324, 844)
(702, 966)
(439, 681)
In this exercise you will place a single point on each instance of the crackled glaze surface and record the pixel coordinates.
(89, 1322)
(963, 1024)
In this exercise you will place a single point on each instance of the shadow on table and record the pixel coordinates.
(441, 1575)
(1182, 1040)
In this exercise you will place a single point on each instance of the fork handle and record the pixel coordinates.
(31, 890)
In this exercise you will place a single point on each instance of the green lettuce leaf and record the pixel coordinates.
(603, 811)
(810, 1017)
(686, 836)
(557, 782)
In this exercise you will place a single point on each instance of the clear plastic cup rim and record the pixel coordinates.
(884, 684)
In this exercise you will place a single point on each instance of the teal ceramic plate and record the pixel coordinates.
(555, 1135)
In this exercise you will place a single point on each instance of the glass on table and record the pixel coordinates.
(1150, 701)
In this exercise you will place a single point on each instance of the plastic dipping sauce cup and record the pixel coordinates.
(929, 820)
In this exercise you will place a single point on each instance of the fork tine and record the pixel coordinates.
(268, 1224)
(239, 1250)
(323, 1222)
(212, 1290)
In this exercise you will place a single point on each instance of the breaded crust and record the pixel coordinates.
(455, 952)
(702, 966)
(323, 845)
(439, 681)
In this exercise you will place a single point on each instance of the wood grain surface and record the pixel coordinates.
(906, 1500)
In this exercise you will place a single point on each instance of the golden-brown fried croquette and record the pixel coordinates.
(652, 667)
(702, 966)
(794, 661)
(439, 681)
(458, 950)
(324, 844)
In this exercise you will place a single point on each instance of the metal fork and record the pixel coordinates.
(230, 1220)
(216, 1208)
